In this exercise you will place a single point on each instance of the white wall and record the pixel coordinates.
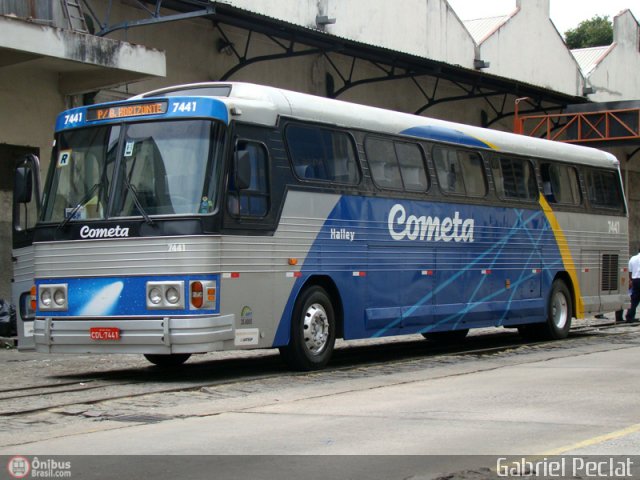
(617, 77)
(529, 48)
(426, 28)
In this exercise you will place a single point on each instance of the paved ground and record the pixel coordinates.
(492, 397)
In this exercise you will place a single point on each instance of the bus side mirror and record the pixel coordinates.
(26, 185)
(242, 170)
(23, 185)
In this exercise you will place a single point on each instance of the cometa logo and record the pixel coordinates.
(113, 232)
(429, 228)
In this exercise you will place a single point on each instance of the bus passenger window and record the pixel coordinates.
(322, 154)
(560, 184)
(604, 190)
(460, 172)
(252, 201)
(515, 179)
(473, 173)
(446, 161)
(383, 163)
(412, 163)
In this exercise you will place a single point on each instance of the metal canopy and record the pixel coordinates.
(290, 40)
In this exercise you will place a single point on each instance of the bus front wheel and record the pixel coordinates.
(313, 331)
(168, 361)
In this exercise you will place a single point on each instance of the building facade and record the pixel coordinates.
(420, 58)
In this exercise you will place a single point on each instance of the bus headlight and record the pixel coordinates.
(53, 297)
(172, 295)
(155, 296)
(59, 297)
(45, 297)
(167, 295)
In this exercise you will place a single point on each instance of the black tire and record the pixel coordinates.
(313, 331)
(167, 361)
(619, 316)
(447, 338)
(558, 323)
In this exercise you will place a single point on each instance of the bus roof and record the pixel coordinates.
(265, 105)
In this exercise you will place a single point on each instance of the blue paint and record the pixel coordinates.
(121, 296)
(468, 284)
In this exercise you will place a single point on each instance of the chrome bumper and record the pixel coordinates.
(163, 336)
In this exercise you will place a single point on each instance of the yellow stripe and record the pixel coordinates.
(488, 144)
(595, 440)
(567, 259)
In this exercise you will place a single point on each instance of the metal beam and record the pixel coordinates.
(156, 18)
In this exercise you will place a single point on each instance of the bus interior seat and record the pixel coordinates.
(304, 171)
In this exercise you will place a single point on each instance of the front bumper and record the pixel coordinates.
(152, 335)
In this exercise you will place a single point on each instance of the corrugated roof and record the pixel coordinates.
(589, 58)
(482, 28)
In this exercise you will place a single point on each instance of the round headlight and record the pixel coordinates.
(59, 297)
(45, 297)
(155, 296)
(172, 295)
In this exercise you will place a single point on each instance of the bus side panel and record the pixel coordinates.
(598, 247)
(405, 266)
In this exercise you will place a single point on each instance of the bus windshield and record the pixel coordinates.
(132, 170)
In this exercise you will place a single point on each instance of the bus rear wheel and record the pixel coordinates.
(167, 361)
(313, 331)
(558, 321)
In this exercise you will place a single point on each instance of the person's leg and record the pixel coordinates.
(635, 300)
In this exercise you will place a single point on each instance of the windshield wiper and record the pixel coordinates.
(136, 200)
(88, 196)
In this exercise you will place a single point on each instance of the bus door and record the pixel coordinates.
(400, 286)
(26, 207)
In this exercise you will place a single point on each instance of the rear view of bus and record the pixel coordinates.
(217, 217)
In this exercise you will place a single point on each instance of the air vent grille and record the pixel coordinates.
(609, 272)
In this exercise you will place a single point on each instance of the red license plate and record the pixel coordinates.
(104, 333)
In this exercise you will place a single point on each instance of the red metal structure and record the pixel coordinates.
(581, 127)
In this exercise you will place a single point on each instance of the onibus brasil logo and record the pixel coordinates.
(20, 467)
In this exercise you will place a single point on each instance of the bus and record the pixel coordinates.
(231, 216)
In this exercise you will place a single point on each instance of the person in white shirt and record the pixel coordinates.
(634, 276)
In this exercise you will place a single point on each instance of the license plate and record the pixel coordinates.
(104, 333)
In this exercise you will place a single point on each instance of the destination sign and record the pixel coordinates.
(122, 111)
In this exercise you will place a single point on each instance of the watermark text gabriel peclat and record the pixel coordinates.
(565, 467)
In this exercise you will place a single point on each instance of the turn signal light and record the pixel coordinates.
(197, 294)
(33, 298)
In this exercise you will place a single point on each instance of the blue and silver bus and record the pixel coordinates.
(222, 216)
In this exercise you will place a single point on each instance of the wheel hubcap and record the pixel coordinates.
(316, 329)
(559, 310)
